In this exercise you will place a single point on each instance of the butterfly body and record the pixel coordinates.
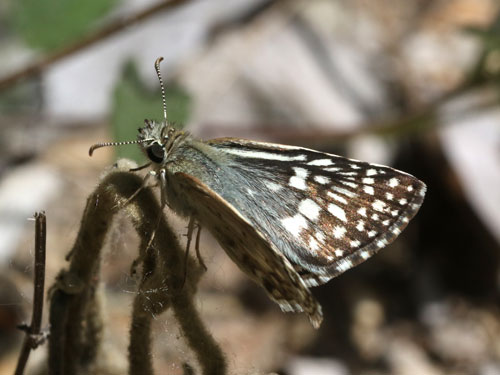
(289, 217)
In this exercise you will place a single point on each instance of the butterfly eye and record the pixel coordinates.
(156, 152)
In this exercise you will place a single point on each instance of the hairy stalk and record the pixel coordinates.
(76, 323)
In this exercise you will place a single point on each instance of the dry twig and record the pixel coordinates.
(38, 66)
(33, 336)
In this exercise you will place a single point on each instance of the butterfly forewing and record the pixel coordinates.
(325, 213)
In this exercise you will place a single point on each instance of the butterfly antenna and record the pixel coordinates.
(157, 68)
(106, 144)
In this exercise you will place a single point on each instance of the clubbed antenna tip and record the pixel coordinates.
(158, 73)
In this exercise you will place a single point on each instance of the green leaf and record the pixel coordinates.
(51, 24)
(133, 103)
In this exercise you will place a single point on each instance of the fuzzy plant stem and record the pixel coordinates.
(76, 323)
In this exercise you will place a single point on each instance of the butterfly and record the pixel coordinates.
(291, 218)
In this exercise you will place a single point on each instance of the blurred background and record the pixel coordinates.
(409, 83)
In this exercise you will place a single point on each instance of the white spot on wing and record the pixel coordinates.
(355, 243)
(350, 184)
(369, 190)
(313, 244)
(320, 236)
(389, 196)
(364, 254)
(371, 172)
(331, 169)
(321, 162)
(339, 231)
(368, 180)
(372, 233)
(337, 211)
(285, 306)
(378, 205)
(346, 192)
(343, 265)
(362, 211)
(339, 253)
(264, 155)
(360, 226)
(321, 180)
(294, 224)
(309, 209)
(273, 186)
(403, 201)
(299, 180)
(337, 197)
(393, 182)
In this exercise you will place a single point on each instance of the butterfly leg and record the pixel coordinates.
(189, 236)
(197, 247)
(141, 256)
(143, 185)
(191, 227)
(163, 181)
(163, 202)
(139, 168)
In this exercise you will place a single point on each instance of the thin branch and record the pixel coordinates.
(33, 337)
(38, 66)
(408, 124)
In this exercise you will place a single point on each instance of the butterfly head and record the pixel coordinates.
(155, 138)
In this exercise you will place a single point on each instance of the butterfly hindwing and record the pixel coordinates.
(253, 254)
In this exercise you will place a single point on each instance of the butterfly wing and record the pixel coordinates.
(252, 252)
(324, 212)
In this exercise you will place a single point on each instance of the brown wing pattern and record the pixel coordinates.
(253, 254)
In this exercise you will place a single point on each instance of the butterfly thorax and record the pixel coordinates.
(172, 151)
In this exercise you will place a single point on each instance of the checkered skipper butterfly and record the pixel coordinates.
(290, 217)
